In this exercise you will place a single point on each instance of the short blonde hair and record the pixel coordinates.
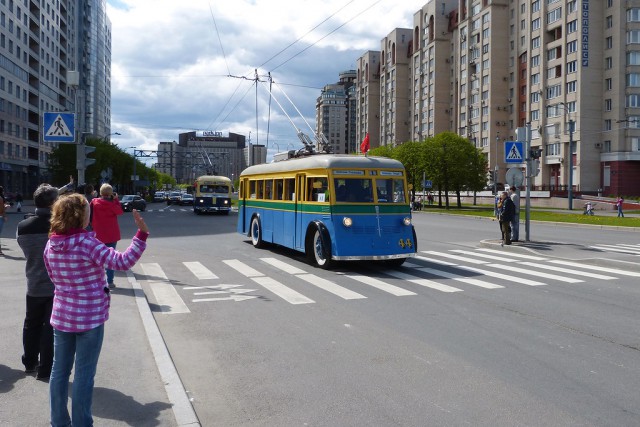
(106, 190)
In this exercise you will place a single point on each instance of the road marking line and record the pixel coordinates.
(503, 276)
(503, 257)
(330, 286)
(512, 268)
(597, 268)
(221, 286)
(379, 284)
(167, 298)
(281, 265)
(242, 268)
(459, 278)
(459, 258)
(509, 255)
(570, 271)
(422, 282)
(235, 298)
(436, 261)
(613, 248)
(282, 291)
(200, 271)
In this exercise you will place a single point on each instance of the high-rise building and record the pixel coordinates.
(569, 69)
(368, 98)
(336, 113)
(41, 44)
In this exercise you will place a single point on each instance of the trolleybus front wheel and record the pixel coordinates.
(256, 233)
(319, 250)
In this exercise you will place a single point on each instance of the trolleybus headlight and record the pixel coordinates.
(406, 220)
(347, 222)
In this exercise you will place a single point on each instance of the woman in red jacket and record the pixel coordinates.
(104, 220)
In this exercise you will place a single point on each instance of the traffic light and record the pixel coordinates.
(82, 161)
(535, 153)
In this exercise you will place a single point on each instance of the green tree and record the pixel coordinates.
(411, 155)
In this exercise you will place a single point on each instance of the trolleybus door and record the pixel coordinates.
(298, 233)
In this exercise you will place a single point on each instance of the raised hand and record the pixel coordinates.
(142, 226)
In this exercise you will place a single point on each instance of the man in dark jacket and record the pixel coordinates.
(37, 334)
(506, 214)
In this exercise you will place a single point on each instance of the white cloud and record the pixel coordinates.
(171, 63)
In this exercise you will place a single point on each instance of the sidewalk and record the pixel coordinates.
(129, 389)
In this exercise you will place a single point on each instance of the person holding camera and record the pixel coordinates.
(104, 221)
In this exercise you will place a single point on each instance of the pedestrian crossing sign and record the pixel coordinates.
(513, 152)
(59, 127)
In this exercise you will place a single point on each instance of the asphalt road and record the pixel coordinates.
(460, 335)
(535, 334)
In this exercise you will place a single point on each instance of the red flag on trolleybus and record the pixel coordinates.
(364, 146)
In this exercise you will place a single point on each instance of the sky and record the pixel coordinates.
(180, 66)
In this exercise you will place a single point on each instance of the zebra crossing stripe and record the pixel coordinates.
(596, 268)
(287, 268)
(570, 271)
(614, 248)
(422, 282)
(509, 255)
(503, 257)
(166, 296)
(424, 258)
(379, 284)
(456, 257)
(242, 268)
(508, 277)
(268, 283)
(469, 280)
(282, 291)
(329, 286)
(200, 271)
(537, 273)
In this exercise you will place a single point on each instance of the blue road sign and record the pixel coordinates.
(59, 127)
(427, 183)
(514, 152)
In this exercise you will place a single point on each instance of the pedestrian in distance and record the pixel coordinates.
(104, 212)
(37, 334)
(619, 204)
(3, 214)
(505, 215)
(515, 222)
(19, 201)
(75, 261)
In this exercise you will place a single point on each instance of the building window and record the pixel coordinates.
(633, 79)
(608, 63)
(535, 24)
(572, 67)
(535, 6)
(572, 6)
(609, 43)
(572, 46)
(633, 36)
(535, 115)
(535, 60)
(633, 101)
(535, 42)
(535, 78)
(633, 57)
(572, 26)
(607, 124)
(554, 91)
(554, 15)
(609, 21)
(571, 86)
(608, 84)
(535, 97)
(606, 147)
(633, 14)
(607, 105)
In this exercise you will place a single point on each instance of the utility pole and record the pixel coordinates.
(570, 189)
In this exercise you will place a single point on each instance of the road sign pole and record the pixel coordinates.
(527, 212)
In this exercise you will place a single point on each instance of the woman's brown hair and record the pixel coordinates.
(68, 213)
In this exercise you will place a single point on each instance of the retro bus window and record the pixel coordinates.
(268, 189)
(353, 190)
(212, 189)
(252, 189)
(318, 189)
(279, 187)
(390, 190)
(289, 188)
(259, 193)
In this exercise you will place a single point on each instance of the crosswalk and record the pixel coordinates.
(449, 271)
(619, 248)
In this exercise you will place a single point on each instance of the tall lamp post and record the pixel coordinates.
(570, 190)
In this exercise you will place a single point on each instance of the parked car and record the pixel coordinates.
(130, 202)
(159, 196)
(186, 199)
(174, 198)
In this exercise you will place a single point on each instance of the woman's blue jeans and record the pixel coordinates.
(110, 273)
(84, 348)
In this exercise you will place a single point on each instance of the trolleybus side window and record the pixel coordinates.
(390, 190)
(268, 189)
(289, 188)
(353, 190)
(252, 189)
(318, 189)
(259, 193)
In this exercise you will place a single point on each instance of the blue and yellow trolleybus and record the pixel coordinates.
(330, 207)
(212, 194)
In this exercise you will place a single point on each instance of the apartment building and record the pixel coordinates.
(570, 69)
(367, 98)
(336, 113)
(41, 42)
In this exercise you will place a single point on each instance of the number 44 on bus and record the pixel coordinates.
(330, 207)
